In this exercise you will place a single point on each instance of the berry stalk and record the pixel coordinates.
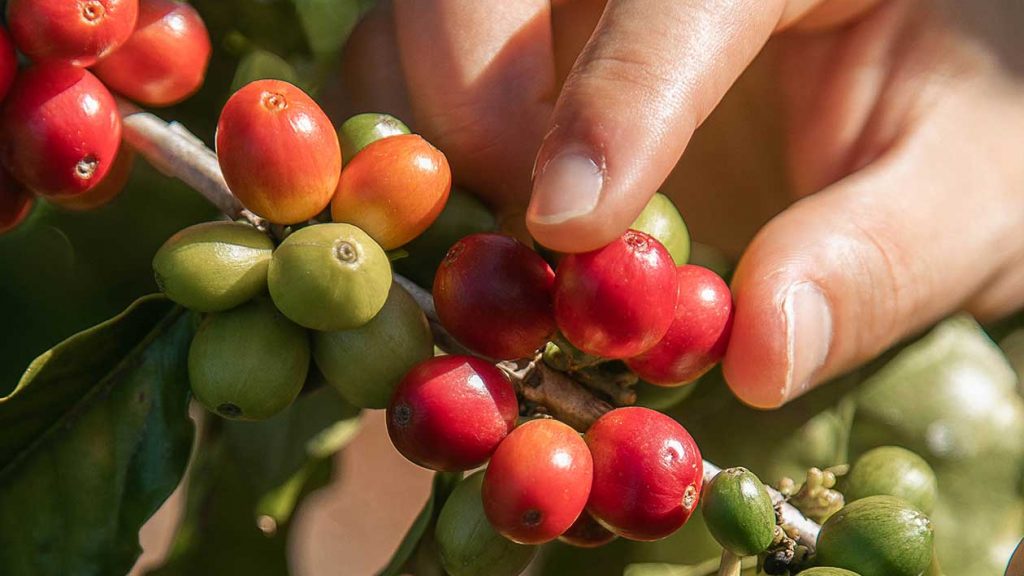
(176, 152)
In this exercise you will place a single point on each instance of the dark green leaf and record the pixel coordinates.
(327, 23)
(444, 483)
(96, 436)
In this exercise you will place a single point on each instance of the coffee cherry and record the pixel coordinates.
(738, 512)
(16, 202)
(278, 151)
(61, 129)
(537, 482)
(365, 364)
(164, 61)
(466, 542)
(78, 32)
(586, 532)
(498, 278)
(877, 536)
(107, 189)
(892, 471)
(698, 336)
(662, 221)
(617, 301)
(394, 189)
(329, 277)
(8, 62)
(827, 571)
(214, 266)
(647, 473)
(248, 363)
(362, 130)
(450, 412)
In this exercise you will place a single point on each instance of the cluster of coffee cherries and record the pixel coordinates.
(60, 124)
(320, 286)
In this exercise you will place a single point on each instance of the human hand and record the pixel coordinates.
(904, 124)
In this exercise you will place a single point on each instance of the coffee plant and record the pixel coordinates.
(308, 267)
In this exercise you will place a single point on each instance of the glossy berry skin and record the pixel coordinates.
(698, 336)
(108, 188)
(77, 32)
(494, 295)
(617, 301)
(537, 482)
(394, 189)
(648, 473)
(586, 532)
(8, 62)
(278, 151)
(165, 59)
(61, 130)
(450, 412)
(15, 203)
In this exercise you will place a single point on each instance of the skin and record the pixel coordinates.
(895, 200)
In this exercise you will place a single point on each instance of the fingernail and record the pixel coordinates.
(567, 187)
(808, 336)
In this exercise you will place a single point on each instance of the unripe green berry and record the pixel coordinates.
(248, 363)
(877, 536)
(365, 364)
(329, 277)
(738, 512)
(466, 542)
(893, 471)
(662, 220)
(214, 266)
(827, 571)
(362, 130)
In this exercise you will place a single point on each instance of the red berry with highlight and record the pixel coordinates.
(61, 130)
(648, 473)
(278, 151)
(8, 62)
(617, 301)
(451, 412)
(15, 203)
(77, 32)
(495, 278)
(586, 532)
(537, 482)
(698, 336)
(165, 59)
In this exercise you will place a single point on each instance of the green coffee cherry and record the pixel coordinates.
(248, 363)
(463, 215)
(893, 471)
(877, 536)
(329, 277)
(366, 363)
(661, 220)
(361, 130)
(827, 571)
(738, 511)
(214, 266)
(661, 397)
(466, 542)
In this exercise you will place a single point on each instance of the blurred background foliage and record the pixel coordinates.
(952, 396)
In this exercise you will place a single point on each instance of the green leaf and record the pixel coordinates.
(327, 23)
(422, 526)
(259, 65)
(96, 437)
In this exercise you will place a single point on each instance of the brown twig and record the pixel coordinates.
(176, 152)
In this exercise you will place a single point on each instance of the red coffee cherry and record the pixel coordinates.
(648, 473)
(394, 189)
(8, 62)
(537, 482)
(698, 336)
(450, 412)
(78, 32)
(586, 532)
(108, 188)
(61, 129)
(165, 59)
(497, 278)
(15, 202)
(278, 151)
(617, 301)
